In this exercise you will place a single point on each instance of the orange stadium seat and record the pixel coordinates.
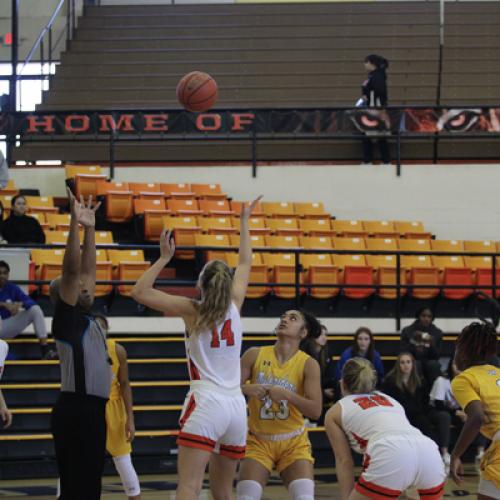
(212, 191)
(421, 271)
(152, 188)
(415, 245)
(10, 189)
(349, 243)
(184, 207)
(479, 262)
(180, 190)
(485, 246)
(184, 229)
(48, 265)
(117, 256)
(484, 281)
(316, 242)
(59, 237)
(104, 238)
(87, 185)
(281, 270)
(311, 210)
(447, 246)
(384, 244)
(212, 240)
(320, 270)
(104, 187)
(119, 206)
(59, 222)
(157, 205)
(258, 274)
(257, 211)
(71, 171)
(104, 272)
(456, 276)
(130, 271)
(380, 228)
(316, 227)
(256, 225)
(216, 225)
(43, 204)
(257, 241)
(412, 229)
(153, 211)
(349, 228)
(278, 209)
(284, 226)
(282, 241)
(385, 269)
(101, 255)
(215, 207)
(354, 271)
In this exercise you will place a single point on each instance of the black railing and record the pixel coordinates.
(481, 290)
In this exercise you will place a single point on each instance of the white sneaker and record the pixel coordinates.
(447, 461)
(477, 461)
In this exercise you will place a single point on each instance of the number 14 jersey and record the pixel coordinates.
(266, 417)
(214, 356)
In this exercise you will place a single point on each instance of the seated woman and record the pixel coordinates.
(19, 227)
(363, 346)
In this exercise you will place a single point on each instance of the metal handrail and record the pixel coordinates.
(47, 27)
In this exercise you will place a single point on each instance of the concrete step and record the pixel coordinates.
(236, 68)
(331, 79)
(328, 56)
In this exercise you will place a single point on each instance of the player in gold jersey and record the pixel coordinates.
(477, 390)
(284, 386)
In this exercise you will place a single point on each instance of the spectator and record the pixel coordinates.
(446, 411)
(423, 339)
(5, 414)
(374, 93)
(18, 311)
(363, 347)
(317, 348)
(404, 384)
(19, 227)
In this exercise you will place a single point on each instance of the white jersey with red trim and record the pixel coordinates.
(214, 356)
(366, 415)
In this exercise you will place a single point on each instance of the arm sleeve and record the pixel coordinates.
(464, 390)
(20, 296)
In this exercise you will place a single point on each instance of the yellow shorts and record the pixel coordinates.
(279, 454)
(490, 464)
(116, 418)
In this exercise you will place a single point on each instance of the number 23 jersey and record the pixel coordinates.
(214, 356)
(266, 417)
(366, 415)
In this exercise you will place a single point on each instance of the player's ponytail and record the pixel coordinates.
(359, 376)
(215, 282)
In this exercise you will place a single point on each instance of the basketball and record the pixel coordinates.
(197, 91)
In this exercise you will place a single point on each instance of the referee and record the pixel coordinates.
(78, 417)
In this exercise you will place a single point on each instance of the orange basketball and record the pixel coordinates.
(197, 91)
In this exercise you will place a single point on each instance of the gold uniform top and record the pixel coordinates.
(114, 392)
(266, 417)
(480, 383)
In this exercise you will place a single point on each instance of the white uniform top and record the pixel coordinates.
(214, 356)
(366, 415)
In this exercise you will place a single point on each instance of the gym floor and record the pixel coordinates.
(163, 487)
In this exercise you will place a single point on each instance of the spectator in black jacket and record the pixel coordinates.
(423, 339)
(404, 385)
(19, 227)
(317, 347)
(374, 93)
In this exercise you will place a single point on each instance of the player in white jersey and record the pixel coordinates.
(397, 456)
(5, 414)
(213, 420)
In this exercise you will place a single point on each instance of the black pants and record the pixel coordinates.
(79, 428)
(368, 150)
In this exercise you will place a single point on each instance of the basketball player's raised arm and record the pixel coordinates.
(242, 274)
(145, 293)
(69, 286)
(344, 465)
(311, 404)
(247, 361)
(88, 266)
(126, 392)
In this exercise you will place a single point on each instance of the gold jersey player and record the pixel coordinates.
(285, 386)
(477, 391)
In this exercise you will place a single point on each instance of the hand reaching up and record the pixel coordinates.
(83, 213)
(248, 208)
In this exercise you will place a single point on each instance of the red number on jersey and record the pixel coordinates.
(372, 401)
(225, 334)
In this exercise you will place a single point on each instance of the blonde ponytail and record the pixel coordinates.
(216, 283)
(359, 376)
